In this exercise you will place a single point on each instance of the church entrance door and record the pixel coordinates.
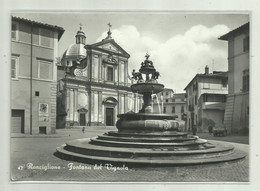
(109, 116)
(82, 119)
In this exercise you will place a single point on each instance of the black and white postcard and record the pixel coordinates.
(130, 96)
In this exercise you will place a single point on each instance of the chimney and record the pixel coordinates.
(206, 69)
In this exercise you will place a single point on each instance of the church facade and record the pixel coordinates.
(94, 85)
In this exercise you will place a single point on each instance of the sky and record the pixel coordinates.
(179, 44)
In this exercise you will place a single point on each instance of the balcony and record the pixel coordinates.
(213, 105)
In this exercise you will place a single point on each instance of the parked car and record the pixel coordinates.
(219, 130)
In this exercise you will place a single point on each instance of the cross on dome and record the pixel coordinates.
(80, 26)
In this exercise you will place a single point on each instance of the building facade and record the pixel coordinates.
(170, 103)
(237, 108)
(206, 98)
(94, 86)
(34, 48)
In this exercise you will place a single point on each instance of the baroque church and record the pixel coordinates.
(93, 84)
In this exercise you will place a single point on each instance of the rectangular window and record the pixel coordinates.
(195, 100)
(224, 83)
(245, 81)
(246, 44)
(167, 93)
(173, 109)
(166, 100)
(14, 63)
(15, 31)
(110, 74)
(46, 38)
(182, 109)
(224, 98)
(195, 86)
(206, 83)
(173, 100)
(164, 109)
(45, 70)
(205, 98)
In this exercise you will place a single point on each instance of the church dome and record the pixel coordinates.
(74, 52)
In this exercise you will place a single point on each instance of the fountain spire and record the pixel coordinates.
(148, 86)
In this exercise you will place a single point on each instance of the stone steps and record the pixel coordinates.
(192, 143)
(145, 139)
(147, 161)
(147, 134)
(82, 146)
(148, 149)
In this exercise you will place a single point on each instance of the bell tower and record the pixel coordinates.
(80, 37)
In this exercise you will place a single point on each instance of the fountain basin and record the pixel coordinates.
(148, 125)
(146, 116)
(147, 122)
(147, 88)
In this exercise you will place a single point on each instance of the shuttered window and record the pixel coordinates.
(45, 70)
(14, 63)
(14, 31)
(46, 38)
(246, 82)
(173, 109)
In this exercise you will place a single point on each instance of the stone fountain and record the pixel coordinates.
(147, 138)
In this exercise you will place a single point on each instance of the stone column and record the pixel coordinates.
(126, 73)
(119, 103)
(122, 72)
(103, 114)
(126, 103)
(93, 67)
(99, 106)
(99, 69)
(119, 72)
(68, 104)
(92, 106)
(87, 107)
(71, 109)
(75, 106)
(116, 78)
(115, 115)
(122, 103)
(102, 70)
(95, 106)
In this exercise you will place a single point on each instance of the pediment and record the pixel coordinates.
(110, 45)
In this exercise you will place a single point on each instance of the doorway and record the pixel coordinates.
(17, 121)
(109, 116)
(82, 119)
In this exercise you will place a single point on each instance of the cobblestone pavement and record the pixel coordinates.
(40, 152)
